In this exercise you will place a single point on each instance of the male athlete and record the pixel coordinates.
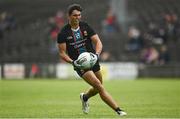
(75, 38)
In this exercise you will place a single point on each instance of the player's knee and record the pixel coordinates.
(101, 81)
(99, 87)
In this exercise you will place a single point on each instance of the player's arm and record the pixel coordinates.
(62, 53)
(98, 44)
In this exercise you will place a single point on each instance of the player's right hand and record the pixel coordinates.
(76, 64)
(95, 57)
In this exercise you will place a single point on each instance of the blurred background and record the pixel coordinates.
(141, 38)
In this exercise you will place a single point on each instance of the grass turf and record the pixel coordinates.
(152, 98)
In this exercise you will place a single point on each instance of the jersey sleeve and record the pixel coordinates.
(91, 32)
(61, 37)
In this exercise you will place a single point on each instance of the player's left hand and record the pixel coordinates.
(76, 64)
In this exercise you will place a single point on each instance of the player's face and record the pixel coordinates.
(75, 17)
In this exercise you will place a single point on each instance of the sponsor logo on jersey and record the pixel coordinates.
(69, 37)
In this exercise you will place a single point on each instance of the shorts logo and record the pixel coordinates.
(82, 71)
(69, 37)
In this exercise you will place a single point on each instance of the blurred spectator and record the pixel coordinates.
(56, 23)
(149, 55)
(163, 55)
(157, 33)
(172, 26)
(34, 71)
(153, 34)
(7, 21)
(59, 19)
(162, 36)
(106, 56)
(135, 42)
(110, 24)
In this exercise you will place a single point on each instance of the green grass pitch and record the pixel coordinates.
(142, 98)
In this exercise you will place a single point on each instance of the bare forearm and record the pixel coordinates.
(66, 58)
(98, 48)
(98, 44)
(62, 53)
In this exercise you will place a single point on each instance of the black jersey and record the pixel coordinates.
(77, 41)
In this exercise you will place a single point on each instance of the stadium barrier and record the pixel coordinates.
(110, 71)
(164, 71)
(14, 71)
(65, 71)
(119, 70)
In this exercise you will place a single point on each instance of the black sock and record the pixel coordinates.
(118, 109)
(85, 98)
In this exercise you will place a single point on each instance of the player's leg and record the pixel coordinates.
(118, 110)
(92, 91)
(91, 79)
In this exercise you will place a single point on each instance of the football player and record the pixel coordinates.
(75, 38)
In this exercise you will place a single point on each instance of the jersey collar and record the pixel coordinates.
(75, 29)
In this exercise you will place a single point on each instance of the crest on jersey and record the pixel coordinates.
(85, 33)
(78, 36)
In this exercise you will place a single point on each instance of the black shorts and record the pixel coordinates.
(95, 68)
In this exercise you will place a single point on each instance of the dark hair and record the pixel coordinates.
(74, 7)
